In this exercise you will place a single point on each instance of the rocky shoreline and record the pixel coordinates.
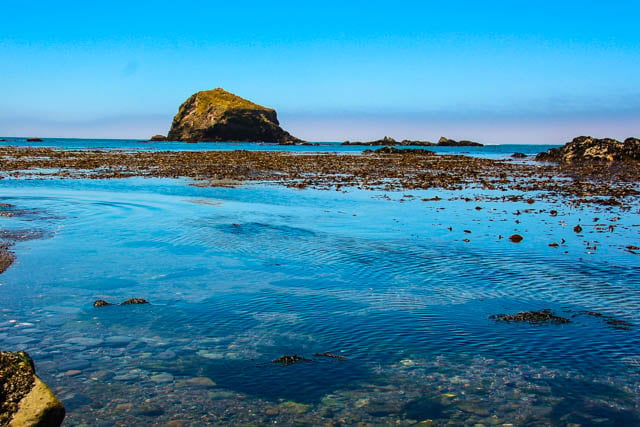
(610, 183)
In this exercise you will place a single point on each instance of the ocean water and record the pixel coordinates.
(489, 151)
(402, 288)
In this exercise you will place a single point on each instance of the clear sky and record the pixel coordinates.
(494, 71)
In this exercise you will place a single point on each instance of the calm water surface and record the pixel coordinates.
(238, 277)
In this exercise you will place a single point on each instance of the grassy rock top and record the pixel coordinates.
(223, 101)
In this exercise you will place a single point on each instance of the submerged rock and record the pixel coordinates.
(289, 360)
(218, 115)
(589, 149)
(446, 142)
(540, 316)
(135, 301)
(24, 399)
(330, 355)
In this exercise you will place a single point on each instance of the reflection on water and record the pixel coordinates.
(238, 277)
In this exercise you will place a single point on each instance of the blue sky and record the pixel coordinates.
(495, 71)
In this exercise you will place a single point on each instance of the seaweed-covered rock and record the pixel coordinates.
(290, 359)
(135, 301)
(540, 316)
(589, 149)
(24, 399)
(446, 142)
(218, 115)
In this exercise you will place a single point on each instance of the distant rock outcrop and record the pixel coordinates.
(589, 149)
(24, 399)
(446, 142)
(389, 142)
(158, 138)
(220, 116)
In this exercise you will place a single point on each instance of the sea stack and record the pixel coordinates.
(220, 116)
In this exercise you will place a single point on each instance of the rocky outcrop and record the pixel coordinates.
(160, 138)
(589, 149)
(446, 142)
(24, 399)
(34, 140)
(388, 142)
(220, 116)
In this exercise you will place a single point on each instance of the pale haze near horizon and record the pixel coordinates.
(490, 72)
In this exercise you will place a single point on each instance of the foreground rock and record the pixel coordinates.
(24, 399)
(589, 149)
(388, 142)
(541, 316)
(218, 115)
(446, 142)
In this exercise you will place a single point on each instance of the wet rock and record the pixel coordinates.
(540, 316)
(393, 150)
(290, 359)
(577, 228)
(135, 301)
(6, 258)
(516, 238)
(446, 142)
(101, 303)
(158, 138)
(589, 149)
(218, 115)
(518, 155)
(24, 399)
(388, 141)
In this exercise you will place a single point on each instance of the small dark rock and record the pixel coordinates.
(135, 301)
(34, 140)
(577, 228)
(101, 303)
(518, 155)
(158, 138)
(516, 238)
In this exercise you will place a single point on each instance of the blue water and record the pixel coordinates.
(237, 277)
(489, 151)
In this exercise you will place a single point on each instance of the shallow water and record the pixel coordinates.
(238, 277)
